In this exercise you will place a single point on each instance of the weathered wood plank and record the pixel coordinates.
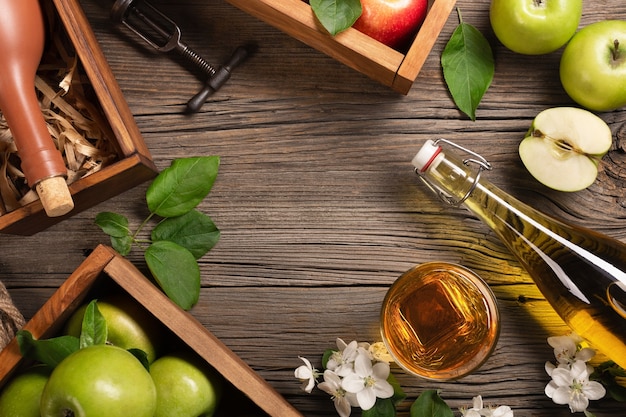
(316, 199)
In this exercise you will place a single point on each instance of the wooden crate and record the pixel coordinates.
(134, 163)
(351, 47)
(105, 271)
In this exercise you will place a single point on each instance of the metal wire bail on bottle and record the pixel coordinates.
(474, 158)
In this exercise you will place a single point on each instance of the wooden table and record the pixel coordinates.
(317, 202)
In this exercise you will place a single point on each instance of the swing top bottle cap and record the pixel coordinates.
(426, 156)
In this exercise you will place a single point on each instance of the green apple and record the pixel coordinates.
(21, 396)
(98, 381)
(563, 147)
(535, 27)
(186, 386)
(593, 66)
(129, 325)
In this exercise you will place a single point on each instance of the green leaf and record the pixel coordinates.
(116, 226)
(181, 187)
(616, 370)
(141, 356)
(336, 15)
(94, 327)
(468, 67)
(606, 373)
(398, 393)
(382, 408)
(176, 271)
(326, 357)
(50, 351)
(617, 392)
(122, 244)
(195, 231)
(113, 224)
(430, 404)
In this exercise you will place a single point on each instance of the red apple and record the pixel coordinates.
(392, 22)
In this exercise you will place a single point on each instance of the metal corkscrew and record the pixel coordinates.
(164, 35)
(218, 79)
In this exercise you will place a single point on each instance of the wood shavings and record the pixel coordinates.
(75, 123)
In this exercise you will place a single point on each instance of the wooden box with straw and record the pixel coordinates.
(72, 142)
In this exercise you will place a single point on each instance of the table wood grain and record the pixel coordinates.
(317, 202)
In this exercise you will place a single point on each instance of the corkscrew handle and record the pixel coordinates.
(21, 46)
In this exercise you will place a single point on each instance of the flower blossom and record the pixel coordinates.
(572, 386)
(477, 410)
(379, 352)
(368, 381)
(567, 349)
(342, 361)
(501, 411)
(307, 374)
(474, 411)
(343, 400)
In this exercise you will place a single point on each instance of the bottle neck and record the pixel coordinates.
(453, 179)
(519, 226)
(458, 181)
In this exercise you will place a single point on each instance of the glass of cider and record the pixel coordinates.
(440, 321)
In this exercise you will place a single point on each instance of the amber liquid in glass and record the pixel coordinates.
(439, 321)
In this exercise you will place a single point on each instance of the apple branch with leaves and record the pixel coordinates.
(182, 235)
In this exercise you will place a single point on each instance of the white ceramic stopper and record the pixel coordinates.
(426, 155)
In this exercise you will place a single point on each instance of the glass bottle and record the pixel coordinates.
(580, 272)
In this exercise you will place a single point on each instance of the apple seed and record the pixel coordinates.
(559, 144)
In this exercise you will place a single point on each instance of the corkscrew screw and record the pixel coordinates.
(160, 32)
(474, 158)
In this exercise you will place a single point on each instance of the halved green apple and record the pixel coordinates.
(563, 147)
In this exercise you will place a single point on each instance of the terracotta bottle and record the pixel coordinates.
(22, 34)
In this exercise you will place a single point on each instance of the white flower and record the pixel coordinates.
(470, 412)
(474, 411)
(502, 411)
(549, 367)
(572, 387)
(368, 381)
(307, 374)
(477, 410)
(342, 361)
(344, 401)
(379, 352)
(567, 349)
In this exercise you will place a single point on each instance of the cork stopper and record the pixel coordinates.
(426, 155)
(55, 196)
